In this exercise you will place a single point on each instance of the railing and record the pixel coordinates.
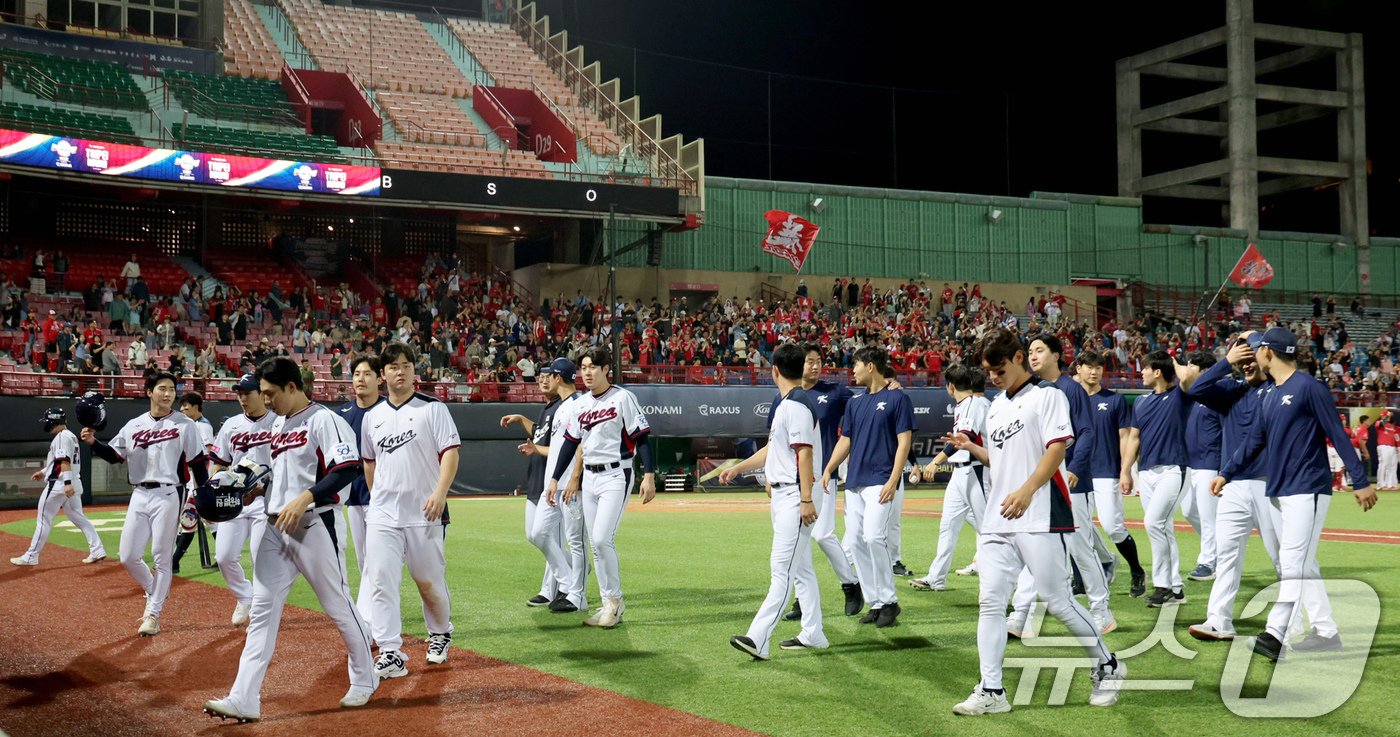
(48, 88)
(1194, 301)
(40, 21)
(228, 111)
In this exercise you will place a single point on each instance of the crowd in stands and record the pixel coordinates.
(477, 329)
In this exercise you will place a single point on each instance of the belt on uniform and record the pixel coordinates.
(154, 485)
(600, 467)
(964, 464)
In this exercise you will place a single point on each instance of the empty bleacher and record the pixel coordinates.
(58, 121)
(428, 157)
(225, 98)
(249, 49)
(266, 144)
(77, 81)
(253, 271)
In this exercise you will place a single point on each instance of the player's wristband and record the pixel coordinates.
(66, 477)
(808, 501)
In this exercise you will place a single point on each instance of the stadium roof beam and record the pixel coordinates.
(1236, 94)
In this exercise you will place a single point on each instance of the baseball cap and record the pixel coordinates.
(247, 383)
(51, 312)
(561, 366)
(1280, 339)
(1254, 339)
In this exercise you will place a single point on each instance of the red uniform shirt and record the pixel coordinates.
(1387, 435)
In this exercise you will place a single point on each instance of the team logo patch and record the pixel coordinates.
(147, 438)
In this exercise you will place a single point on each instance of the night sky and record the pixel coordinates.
(959, 97)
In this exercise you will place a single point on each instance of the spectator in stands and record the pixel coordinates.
(177, 361)
(239, 322)
(165, 334)
(318, 340)
(337, 368)
(1317, 305)
(1356, 308)
(140, 291)
(281, 350)
(307, 376)
(134, 317)
(1331, 304)
(111, 362)
(131, 271)
(66, 344)
(12, 312)
(117, 313)
(37, 269)
(206, 365)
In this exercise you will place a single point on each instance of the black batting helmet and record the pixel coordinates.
(53, 417)
(221, 499)
(91, 412)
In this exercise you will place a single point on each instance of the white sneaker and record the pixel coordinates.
(95, 557)
(437, 648)
(357, 696)
(983, 702)
(240, 616)
(150, 625)
(23, 561)
(923, 584)
(970, 570)
(225, 709)
(611, 614)
(1209, 632)
(390, 664)
(1107, 682)
(1016, 627)
(1106, 623)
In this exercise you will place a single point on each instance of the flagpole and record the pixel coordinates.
(1222, 284)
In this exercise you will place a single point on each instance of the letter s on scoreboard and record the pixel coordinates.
(491, 188)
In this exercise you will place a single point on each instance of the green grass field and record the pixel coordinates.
(694, 578)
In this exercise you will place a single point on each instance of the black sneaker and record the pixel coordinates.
(900, 570)
(1139, 585)
(537, 600)
(795, 613)
(1163, 597)
(1268, 646)
(744, 644)
(855, 601)
(796, 644)
(1315, 643)
(888, 615)
(871, 616)
(562, 605)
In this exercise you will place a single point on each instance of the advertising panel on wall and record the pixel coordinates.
(189, 167)
(134, 55)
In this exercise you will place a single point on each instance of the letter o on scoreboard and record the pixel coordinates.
(591, 195)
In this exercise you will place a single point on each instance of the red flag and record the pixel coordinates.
(789, 237)
(1252, 270)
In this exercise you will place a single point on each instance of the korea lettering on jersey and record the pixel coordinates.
(244, 437)
(159, 450)
(63, 447)
(564, 414)
(794, 427)
(608, 426)
(1020, 427)
(306, 446)
(406, 443)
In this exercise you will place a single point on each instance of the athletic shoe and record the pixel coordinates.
(240, 616)
(437, 648)
(795, 613)
(592, 621)
(537, 600)
(1016, 628)
(1209, 632)
(224, 709)
(1315, 643)
(889, 614)
(22, 561)
(1106, 624)
(855, 601)
(1163, 597)
(1268, 646)
(1107, 680)
(970, 570)
(983, 702)
(562, 605)
(871, 616)
(356, 697)
(923, 584)
(740, 642)
(150, 625)
(611, 614)
(1202, 572)
(900, 570)
(796, 644)
(390, 664)
(94, 558)
(1139, 585)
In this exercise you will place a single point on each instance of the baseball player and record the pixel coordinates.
(1293, 420)
(1361, 438)
(1028, 518)
(62, 490)
(1044, 358)
(1159, 437)
(1112, 420)
(313, 459)
(162, 450)
(790, 467)
(248, 435)
(1203, 427)
(877, 432)
(610, 428)
(966, 495)
(192, 406)
(409, 447)
(364, 383)
(1387, 438)
(557, 530)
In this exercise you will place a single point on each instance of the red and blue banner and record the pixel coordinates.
(192, 167)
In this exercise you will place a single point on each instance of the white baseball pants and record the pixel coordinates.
(1161, 488)
(867, 532)
(965, 499)
(355, 517)
(228, 552)
(1000, 560)
(50, 502)
(789, 561)
(550, 542)
(894, 539)
(1108, 503)
(1298, 519)
(1386, 456)
(387, 549)
(558, 532)
(1080, 544)
(152, 517)
(824, 535)
(314, 549)
(1242, 508)
(604, 500)
(1201, 509)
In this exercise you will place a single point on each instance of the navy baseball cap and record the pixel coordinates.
(1254, 339)
(1281, 340)
(247, 383)
(561, 366)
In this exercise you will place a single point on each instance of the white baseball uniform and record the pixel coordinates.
(551, 528)
(63, 448)
(307, 447)
(794, 427)
(242, 437)
(966, 495)
(158, 452)
(406, 443)
(608, 427)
